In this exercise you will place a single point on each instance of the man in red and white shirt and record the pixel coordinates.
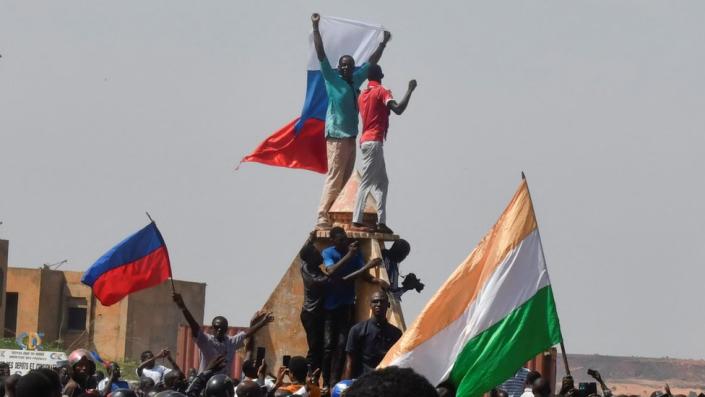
(374, 103)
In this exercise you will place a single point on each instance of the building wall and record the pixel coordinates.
(51, 304)
(144, 320)
(26, 283)
(153, 318)
(4, 252)
(75, 292)
(105, 328)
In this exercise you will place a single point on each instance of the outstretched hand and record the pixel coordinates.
(387, 37)
(262, 316)
(256, 317)
(268, 317)
(353, 247)
(596, 375)
(312, 378)
(164, 353)
(262, 370)
(280, 376)
(567, 384)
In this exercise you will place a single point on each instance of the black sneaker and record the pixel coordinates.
(382, 228)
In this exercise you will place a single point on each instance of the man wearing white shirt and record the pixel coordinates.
(150, 369)
(220, 343)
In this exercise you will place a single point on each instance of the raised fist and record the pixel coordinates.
(387, 36)
(315, 19)
(353, 247)
(412, 85)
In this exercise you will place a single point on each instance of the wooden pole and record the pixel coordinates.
(565, 359)
(543, 256)
(171, 277)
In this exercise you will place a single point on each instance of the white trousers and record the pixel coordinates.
(374, 181)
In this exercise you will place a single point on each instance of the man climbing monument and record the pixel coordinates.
(341, 117)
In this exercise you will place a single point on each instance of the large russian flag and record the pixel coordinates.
(301, 143)
(140, 261)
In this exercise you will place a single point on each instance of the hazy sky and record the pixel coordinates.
(108, 109)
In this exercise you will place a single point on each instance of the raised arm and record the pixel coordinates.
(365, 275)
(259, 320)
(374, 280)
(374, 58)
(195, 328)
(112, 377)
(398, 108)
(107, 388)
(352, 251)
(143, 364)
(174, 365)
(317, 40)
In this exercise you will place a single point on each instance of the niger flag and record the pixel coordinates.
(494, 313)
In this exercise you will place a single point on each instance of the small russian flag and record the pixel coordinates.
(140, 261)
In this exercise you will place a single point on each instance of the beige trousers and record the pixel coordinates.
(341, 162)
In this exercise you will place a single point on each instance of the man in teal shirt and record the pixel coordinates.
(341, 118)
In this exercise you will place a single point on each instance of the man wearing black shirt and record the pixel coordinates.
(312, 315)
(369, 341)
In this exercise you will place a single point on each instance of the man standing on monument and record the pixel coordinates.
(375, 102)
(341, 117)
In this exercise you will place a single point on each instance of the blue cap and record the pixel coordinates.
(340, 387)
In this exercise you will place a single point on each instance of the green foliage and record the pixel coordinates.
(55, 346)
(11, 343)
(8, 343)
(128, 369)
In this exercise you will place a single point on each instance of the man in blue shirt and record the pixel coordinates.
(339, 300)
(341, 117)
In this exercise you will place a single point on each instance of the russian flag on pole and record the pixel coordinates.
(140, 261)
(301, 143)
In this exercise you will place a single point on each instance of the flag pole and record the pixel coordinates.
(171, 277)
(543, 256)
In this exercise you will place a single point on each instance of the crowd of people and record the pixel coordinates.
(337, 348)
(81, 378)
(342, 357)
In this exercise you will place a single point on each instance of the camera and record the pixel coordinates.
(412, 282)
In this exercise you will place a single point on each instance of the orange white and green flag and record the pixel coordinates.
(494, 313)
